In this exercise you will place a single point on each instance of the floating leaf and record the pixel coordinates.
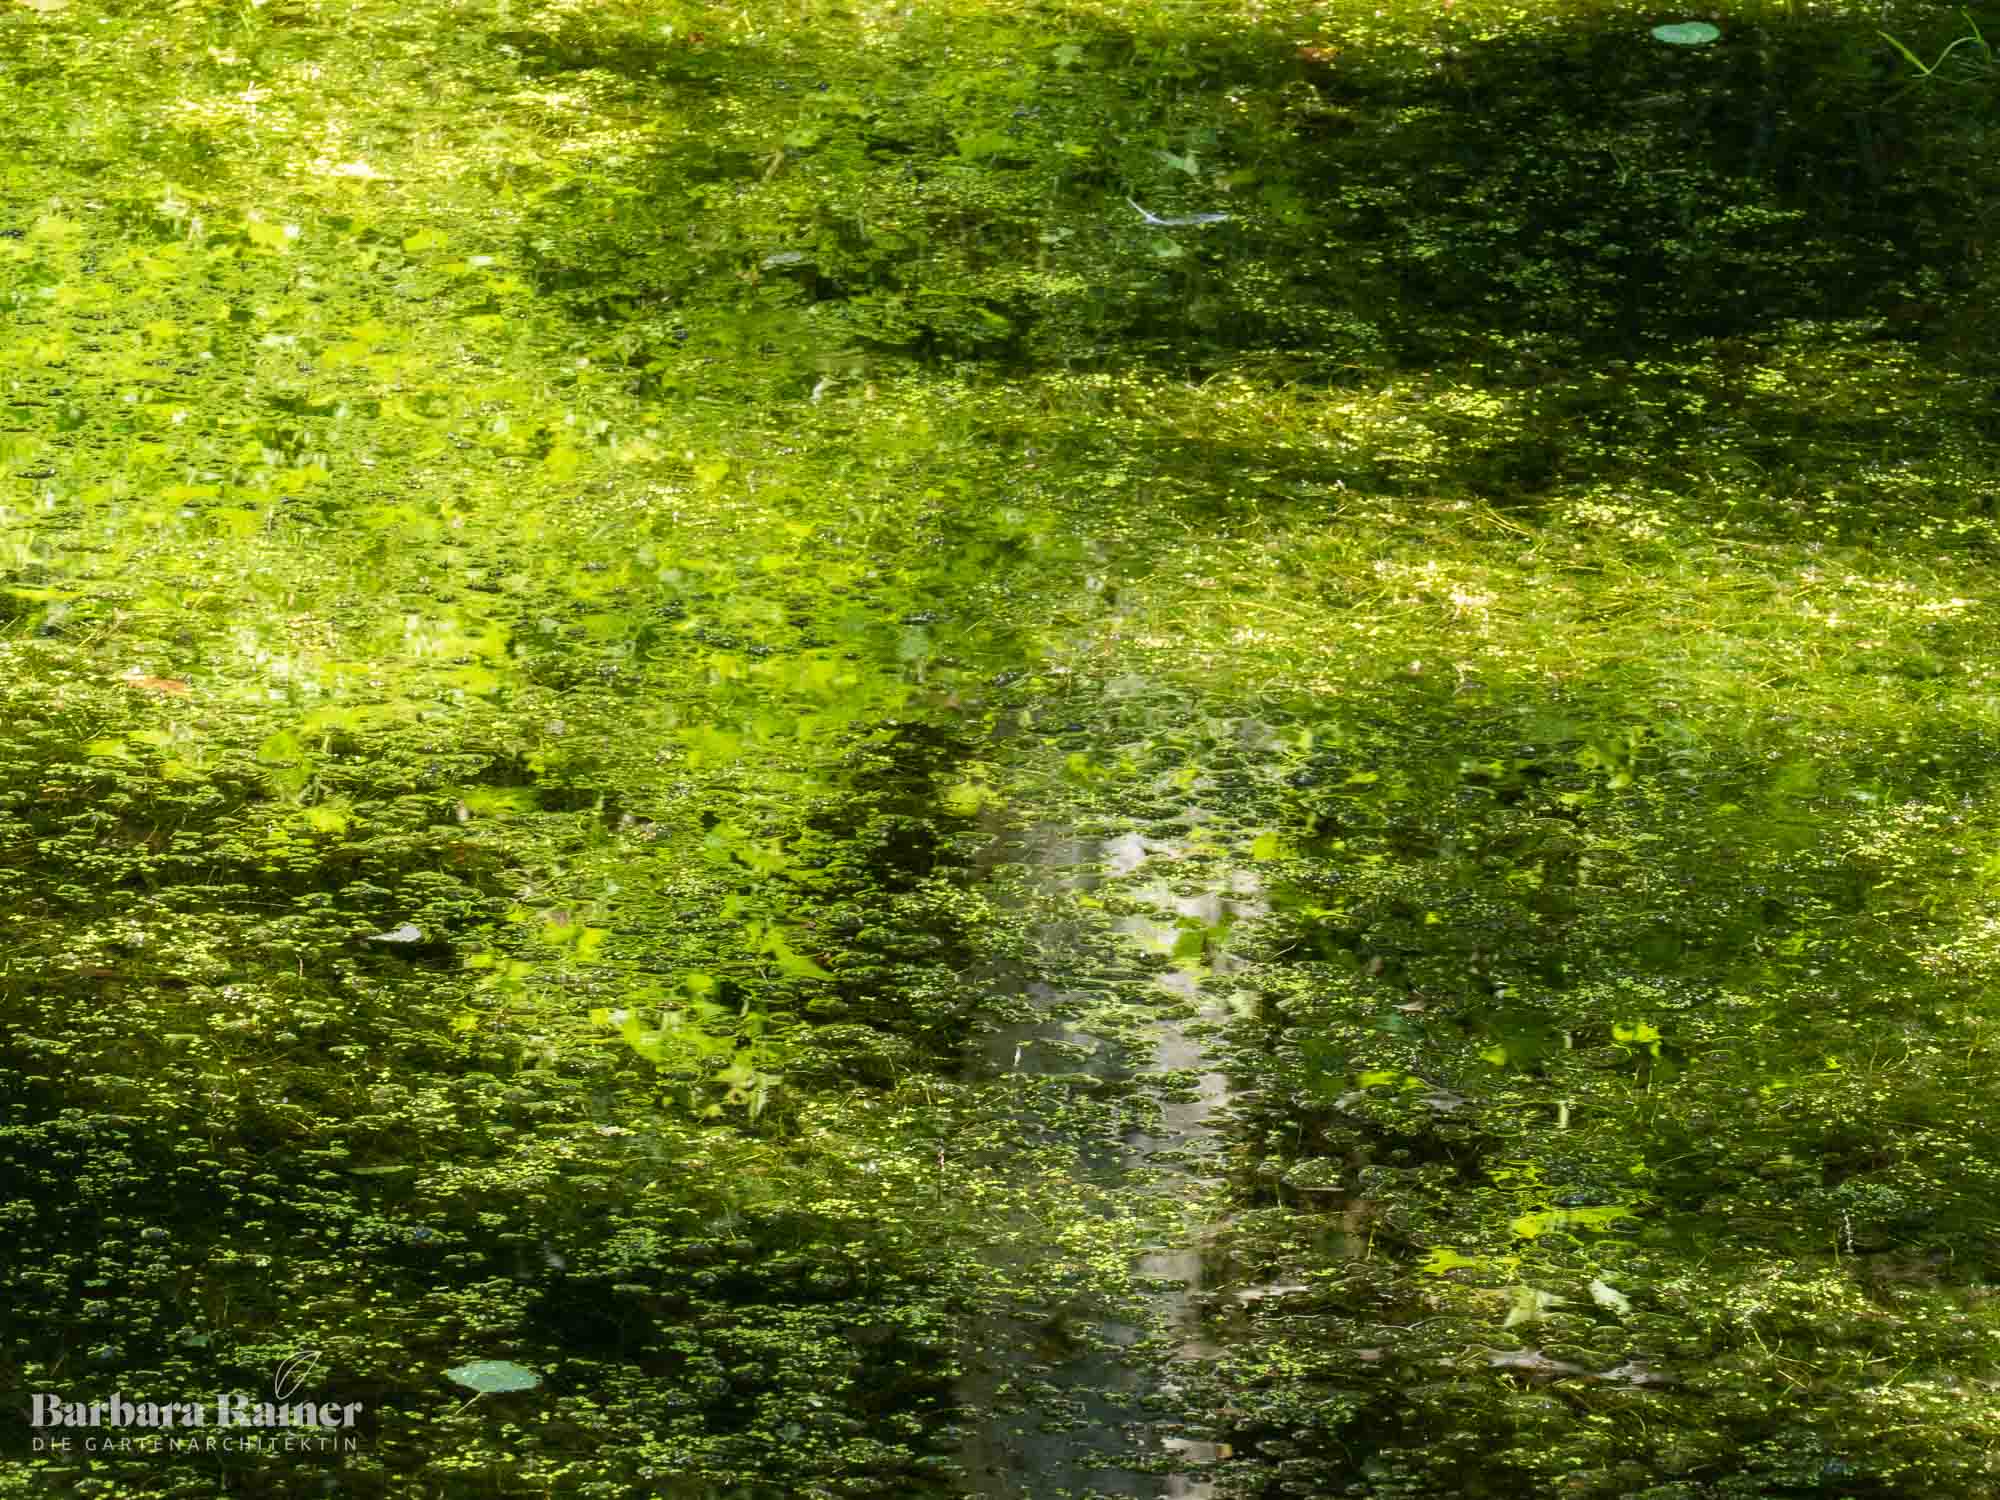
(1686, 34)
(487, 1376)
(409, 932)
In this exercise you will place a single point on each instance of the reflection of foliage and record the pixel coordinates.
(1976, 64)
(632, 511)
(703, 1046)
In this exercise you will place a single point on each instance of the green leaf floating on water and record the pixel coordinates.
(488, 1376)
(1686, 34)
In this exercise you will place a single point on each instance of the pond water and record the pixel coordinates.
(689, 717)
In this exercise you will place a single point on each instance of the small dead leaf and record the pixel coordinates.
(172, 686)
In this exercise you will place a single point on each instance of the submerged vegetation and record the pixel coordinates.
(715, 713)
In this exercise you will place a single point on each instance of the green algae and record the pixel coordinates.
(664, 531)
